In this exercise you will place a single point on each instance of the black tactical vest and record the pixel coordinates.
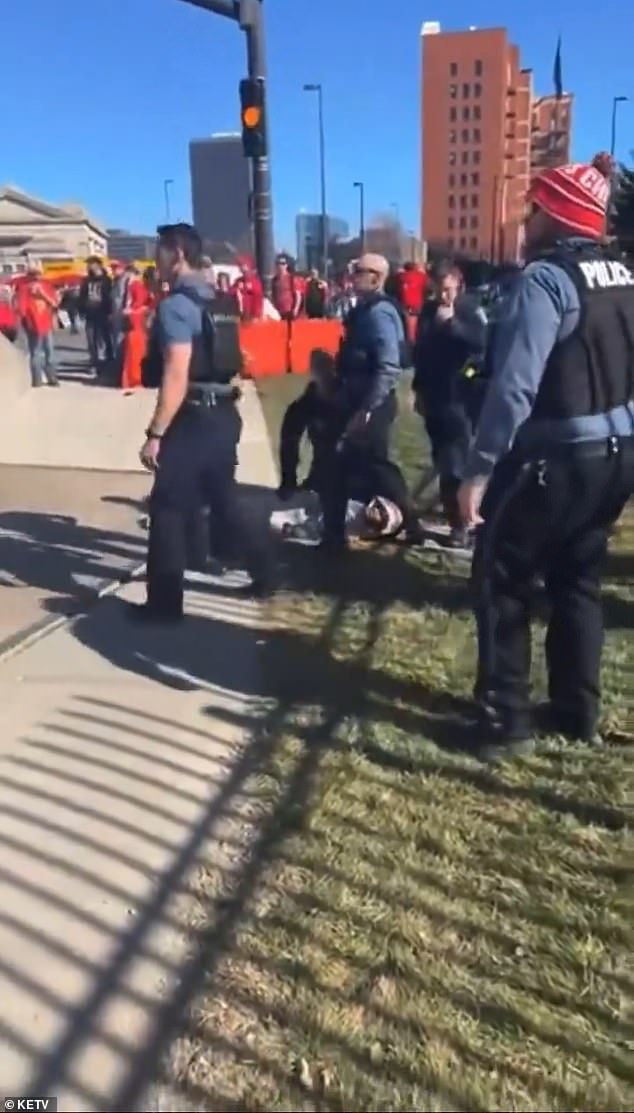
(592, 371)
(216, 356)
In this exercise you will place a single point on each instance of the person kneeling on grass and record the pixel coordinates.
(313, 414)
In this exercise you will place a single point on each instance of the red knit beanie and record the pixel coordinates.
(576, 195)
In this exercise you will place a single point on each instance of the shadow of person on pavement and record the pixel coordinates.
(58, 553)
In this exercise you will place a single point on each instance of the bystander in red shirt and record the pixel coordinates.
(287, 290)
(36, 302)
(412, 285)
(248, 291)
(8, 316)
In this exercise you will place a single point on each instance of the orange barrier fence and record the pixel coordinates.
(307, 336)
(277, 347)
(265, 348)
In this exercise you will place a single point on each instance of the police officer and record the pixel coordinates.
(192, 439)
(553, 462)
(371, 359)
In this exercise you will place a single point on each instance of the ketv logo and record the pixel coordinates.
(41, 1105)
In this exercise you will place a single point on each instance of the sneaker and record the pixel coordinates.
(459, 538)
(497, 740)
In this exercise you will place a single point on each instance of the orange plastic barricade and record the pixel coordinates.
(306, 336)
(264, 346)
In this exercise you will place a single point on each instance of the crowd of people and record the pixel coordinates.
(116, 307)
(530, 416)
(116, 304)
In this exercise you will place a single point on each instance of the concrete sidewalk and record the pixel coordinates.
(124, 769)
(67, 531)
(86, 426)
(121, 774)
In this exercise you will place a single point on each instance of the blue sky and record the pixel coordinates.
(105, 114)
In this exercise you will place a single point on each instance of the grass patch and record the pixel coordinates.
(426, 934)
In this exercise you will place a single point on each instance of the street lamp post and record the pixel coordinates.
(616, 101)
(361, 187)
(317, 88)
(167, 184)
(248, 15)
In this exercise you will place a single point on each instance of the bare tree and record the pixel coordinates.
(384, 235)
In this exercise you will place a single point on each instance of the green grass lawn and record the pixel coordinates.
(428, 934)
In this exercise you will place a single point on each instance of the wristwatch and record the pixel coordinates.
(152, 435)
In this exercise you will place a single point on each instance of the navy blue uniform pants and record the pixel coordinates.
(362, 462)
(552, 518)
(449, 433)
(196, 469)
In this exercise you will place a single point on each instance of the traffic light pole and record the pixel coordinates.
(248, 14)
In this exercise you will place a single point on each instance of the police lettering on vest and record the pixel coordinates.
(216, 356)
(606, 273)
(592, 370)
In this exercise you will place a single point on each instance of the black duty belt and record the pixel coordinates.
(582, 450)
(205, 397)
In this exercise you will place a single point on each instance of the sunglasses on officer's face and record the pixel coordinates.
(366, 270)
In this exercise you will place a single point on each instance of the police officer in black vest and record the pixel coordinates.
(192, 438)
(553, 463)
(371, 359)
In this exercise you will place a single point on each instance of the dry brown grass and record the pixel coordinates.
(426, 934)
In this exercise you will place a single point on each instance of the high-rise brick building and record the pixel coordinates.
(551, 126)
(477, 102)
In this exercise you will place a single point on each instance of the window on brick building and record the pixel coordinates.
(478, 67)
(466, 89)
(474, 243)
(466, 112)
(477, 89)
(453, 91)
(463, 222)
(463, 179)
(465, 135)
(452, 158)
(465, 158)
(475, 200)
(476, 112)
(453, 115)
(476, 158)
(475, 179)
(474, 222)
(452, 201)
(476, 135)
(463, 243)
(453, 69)
(463, 201)
(451, 224)
(452, 136)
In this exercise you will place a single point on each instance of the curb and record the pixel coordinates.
(24, 639)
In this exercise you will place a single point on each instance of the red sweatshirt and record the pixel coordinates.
(411, 290)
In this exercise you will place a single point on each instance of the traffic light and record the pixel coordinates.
(253, 117)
